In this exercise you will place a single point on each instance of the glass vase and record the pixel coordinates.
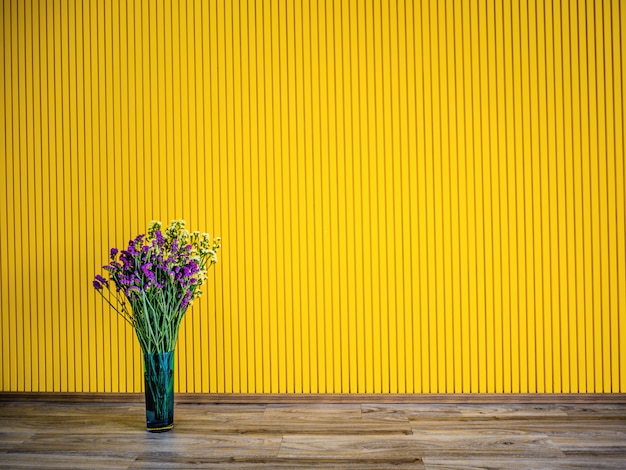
(159, 388)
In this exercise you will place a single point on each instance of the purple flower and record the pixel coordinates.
(132, 293)
(158, 238)
(97, 285)
(127, 280)
(114, 252)
(102, 280)
(146, 270)
(127, 260)
(185, 301)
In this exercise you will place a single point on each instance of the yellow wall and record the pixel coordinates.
(412, 196)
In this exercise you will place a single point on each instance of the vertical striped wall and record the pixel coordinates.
(413, 196)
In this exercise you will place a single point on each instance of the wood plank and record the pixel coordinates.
(595, 411)
(360, 448)
(62, 461)
(591, 443)
(419, 445)
(313, 410)
(156, 447)
(511, 411)
(522, 463)
(9, 439)
(549, 427)
(513, 444)
(320, 462)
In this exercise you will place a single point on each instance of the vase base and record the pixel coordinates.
(160, 428)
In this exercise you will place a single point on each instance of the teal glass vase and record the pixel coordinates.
(159, 389)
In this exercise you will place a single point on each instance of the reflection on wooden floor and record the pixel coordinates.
(111, 435)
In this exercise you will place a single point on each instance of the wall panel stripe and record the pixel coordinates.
(414, 196)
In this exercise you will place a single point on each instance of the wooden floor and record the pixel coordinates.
(112, 435)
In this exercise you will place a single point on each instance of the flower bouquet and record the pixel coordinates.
(151, 285)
